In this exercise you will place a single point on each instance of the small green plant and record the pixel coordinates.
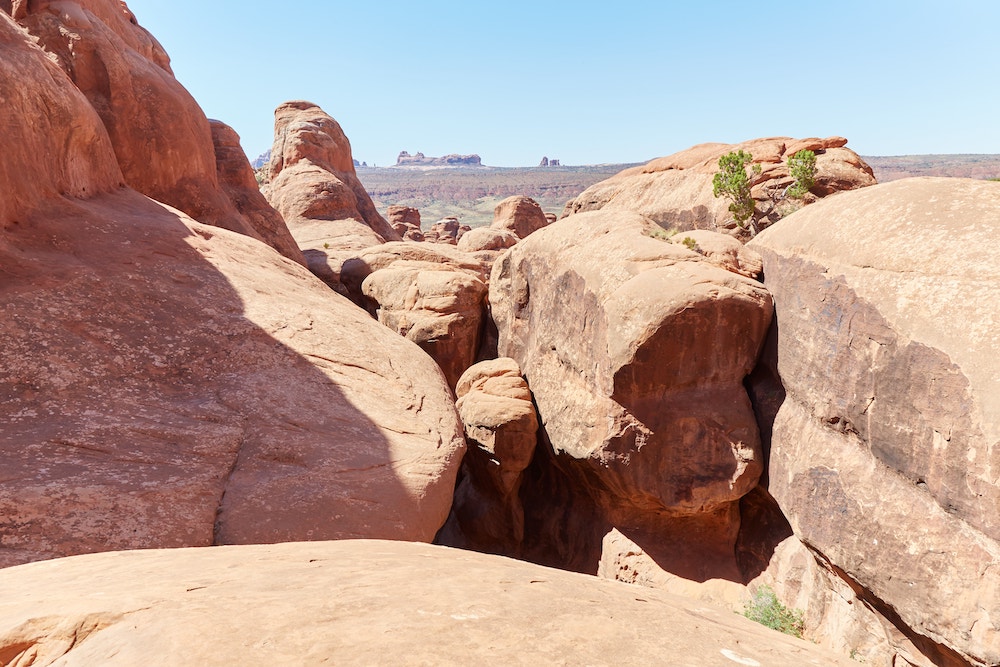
(690, 243)
(733, 182)
(660, 233)
(326, 245)
(994, 179)
(802, 167)
(765, 608)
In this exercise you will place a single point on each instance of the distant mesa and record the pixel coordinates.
(421, 160)
(546, 162)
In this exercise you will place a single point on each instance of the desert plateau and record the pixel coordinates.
(738, 404)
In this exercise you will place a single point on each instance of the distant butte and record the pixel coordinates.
(421, 160)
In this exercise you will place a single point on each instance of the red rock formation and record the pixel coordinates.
(487, 238)
(168, 383)
(406, 221)
(501, 427)
(636, 368)
(890, 362)
(676, 191)
(161, 138)
(237, 180)
(520, 215)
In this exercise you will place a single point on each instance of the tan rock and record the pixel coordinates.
(161, 138)
(722, 250)
(439, 309)
(444, 230)
(405, 215)
(238, 182)
(300, 604)
(892, 416)
(487, 238)
(501, 428)
(520, 215)
(635, 351)
(676, 191)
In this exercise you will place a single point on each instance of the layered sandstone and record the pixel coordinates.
(363, 602)
(676, 191)
(519, 215)
(887, 351)
(635, 350)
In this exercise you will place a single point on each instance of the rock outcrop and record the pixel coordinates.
(635, 350)
(421, 160)
(168, 383)
(405, 220)
(237, 180)
(886, 346)
(315, 188)
(722, 250)
(445, 230)
(302, 603)
(487, 238)
(162, 139)
(676, 191)
(519, 215)
(501, 428)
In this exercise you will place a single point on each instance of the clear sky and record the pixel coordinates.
(595, 82)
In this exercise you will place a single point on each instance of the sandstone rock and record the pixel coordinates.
(403, 215)
(722, 250)
(676, 191)
(314, 185)
(551, 217)
(63, 150)
(501, 428)
(420, 160)
(238, 182)
(303, 603)
(487, 238)
(161, 138)
(892, 415)
(444, 230)
(167, 383)
(635, 350)
(519, 215)
(439, 309)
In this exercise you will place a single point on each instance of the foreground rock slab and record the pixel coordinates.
(360, 602)
(885, 302)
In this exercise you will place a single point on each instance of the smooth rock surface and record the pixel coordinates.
(360, 602)
(676, 191)
(519, 215)
(888, 350)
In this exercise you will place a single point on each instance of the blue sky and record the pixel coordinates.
(592, 82)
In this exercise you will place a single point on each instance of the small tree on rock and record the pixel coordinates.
(733, 182)
(802, 167)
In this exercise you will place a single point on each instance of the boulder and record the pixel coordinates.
(676, 191)
(891, 421)
(487, 238)
(315, 188)
(168, 383)
(405, 220)
(635, 350)
(501, 428)
(364, 602)
(438, 308)
(722, 250)
(162, 139)
(237, 179)
(519, 215)
(444, 230)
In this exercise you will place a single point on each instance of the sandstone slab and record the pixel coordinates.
(360, 602)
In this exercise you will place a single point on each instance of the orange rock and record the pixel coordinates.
(519, 215)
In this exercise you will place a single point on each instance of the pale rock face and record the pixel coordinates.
(487, 238)
(519, 215)
(439, 309)
(676, 191)
(886, 347)
(722, 250)
(302, 603)
(501, 428)
(167, 383)
(162, 139)
(635, 350)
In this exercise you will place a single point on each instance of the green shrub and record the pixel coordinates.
(690, 243)
(802, 167)
(733, 182)
(765, 608)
